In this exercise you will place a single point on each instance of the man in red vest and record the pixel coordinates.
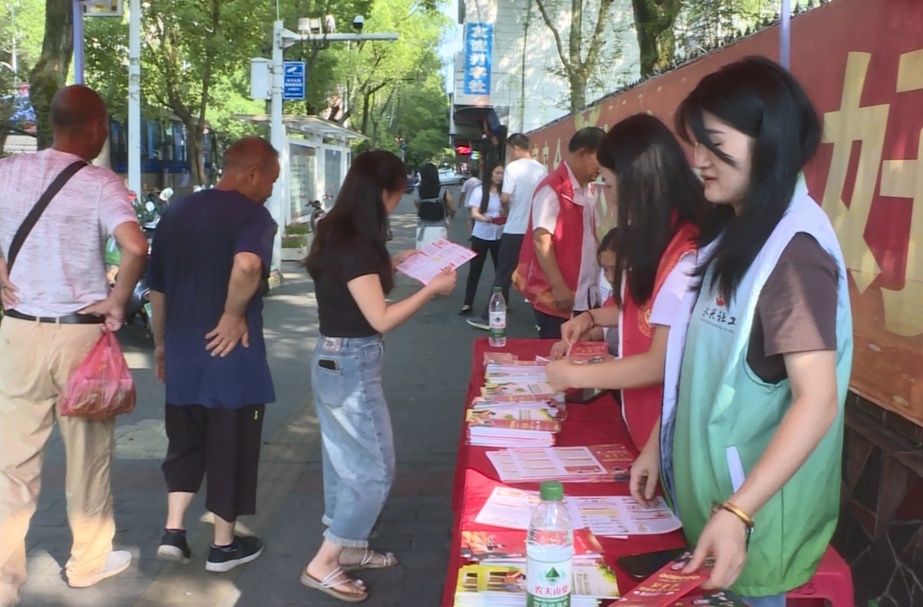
(557, 269)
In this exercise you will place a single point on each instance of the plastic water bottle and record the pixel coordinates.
(550, 551)
(497, 318)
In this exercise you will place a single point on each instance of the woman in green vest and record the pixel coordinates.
(751, 444)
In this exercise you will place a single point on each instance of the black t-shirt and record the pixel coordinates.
(339, 313)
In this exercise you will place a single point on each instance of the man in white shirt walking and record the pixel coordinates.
(57, 304)
(521, 177)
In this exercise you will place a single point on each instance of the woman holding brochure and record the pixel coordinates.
(757, 375)
(486, 213)
(353, 273)
(660, 203)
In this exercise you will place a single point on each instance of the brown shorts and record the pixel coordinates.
(223, 444)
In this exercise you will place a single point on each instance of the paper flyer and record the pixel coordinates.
(434, 258)
(508, 507)
(610, 516)
(598, 463)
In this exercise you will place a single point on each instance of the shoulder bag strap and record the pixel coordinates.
(39, 208)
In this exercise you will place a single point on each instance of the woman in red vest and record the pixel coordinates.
(660, 204)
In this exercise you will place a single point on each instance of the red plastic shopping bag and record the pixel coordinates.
(101, 387)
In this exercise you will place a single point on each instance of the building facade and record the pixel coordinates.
(508, 77)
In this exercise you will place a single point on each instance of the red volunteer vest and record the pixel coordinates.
(641, 406)
(529, 278)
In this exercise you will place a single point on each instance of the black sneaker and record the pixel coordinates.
(479, 322)
(173, 547)
(243, 550)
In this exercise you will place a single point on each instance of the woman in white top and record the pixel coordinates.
(488, 218)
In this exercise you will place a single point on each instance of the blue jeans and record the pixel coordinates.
(766, 601)
(358, 445)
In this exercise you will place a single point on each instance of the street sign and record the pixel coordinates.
(102, 8)
(293, 79)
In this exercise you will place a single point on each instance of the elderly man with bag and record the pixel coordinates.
(56, 212)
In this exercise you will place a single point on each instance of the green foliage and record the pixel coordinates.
(297, 228)
(293, 241)
(195, 66)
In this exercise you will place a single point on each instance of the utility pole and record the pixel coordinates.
(134, 97)
(311, 30)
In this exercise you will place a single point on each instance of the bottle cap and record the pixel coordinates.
(498, 289)
(552, 491)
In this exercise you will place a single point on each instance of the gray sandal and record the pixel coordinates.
(387, 560)
(337, 577)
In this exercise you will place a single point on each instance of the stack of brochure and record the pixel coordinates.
(505, 586)
(514, 425)
(517, 407)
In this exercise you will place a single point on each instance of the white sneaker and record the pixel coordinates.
(117, 562)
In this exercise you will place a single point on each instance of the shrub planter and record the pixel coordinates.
(294, 254)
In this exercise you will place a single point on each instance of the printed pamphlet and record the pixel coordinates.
(434, 258)
(611, 516)
(598, 463)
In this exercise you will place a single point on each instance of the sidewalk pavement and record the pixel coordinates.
(427, 364)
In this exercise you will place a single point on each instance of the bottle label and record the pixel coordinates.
(548, 583)
(497, 324)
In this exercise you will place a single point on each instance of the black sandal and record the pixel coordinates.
(465, 311)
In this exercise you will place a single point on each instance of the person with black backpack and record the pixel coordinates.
(435, 207)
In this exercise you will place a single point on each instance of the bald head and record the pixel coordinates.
(251, 167)
(76, 107)
(80, 121)
(249, 152)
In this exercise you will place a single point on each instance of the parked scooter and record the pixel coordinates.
(138, 308)
(317, 213)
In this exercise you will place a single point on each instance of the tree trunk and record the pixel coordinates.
(50, 72)
(366, 102)
(196, 155)
(654, 21)
(577, 92)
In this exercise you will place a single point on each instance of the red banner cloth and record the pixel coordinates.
(597, 423)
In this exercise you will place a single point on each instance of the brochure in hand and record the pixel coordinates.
(434, 258)
(666, 586)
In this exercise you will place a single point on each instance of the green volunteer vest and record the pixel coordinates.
(722, 405)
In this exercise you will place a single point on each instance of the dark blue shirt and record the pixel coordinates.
(191, 260)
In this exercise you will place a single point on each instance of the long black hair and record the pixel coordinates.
(358, 222)
(487, 183)
(656, 189)
(762, 100)
(429, 182)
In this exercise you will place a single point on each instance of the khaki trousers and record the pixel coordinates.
(36, 361)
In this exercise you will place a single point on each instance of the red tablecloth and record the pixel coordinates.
(596, 423)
